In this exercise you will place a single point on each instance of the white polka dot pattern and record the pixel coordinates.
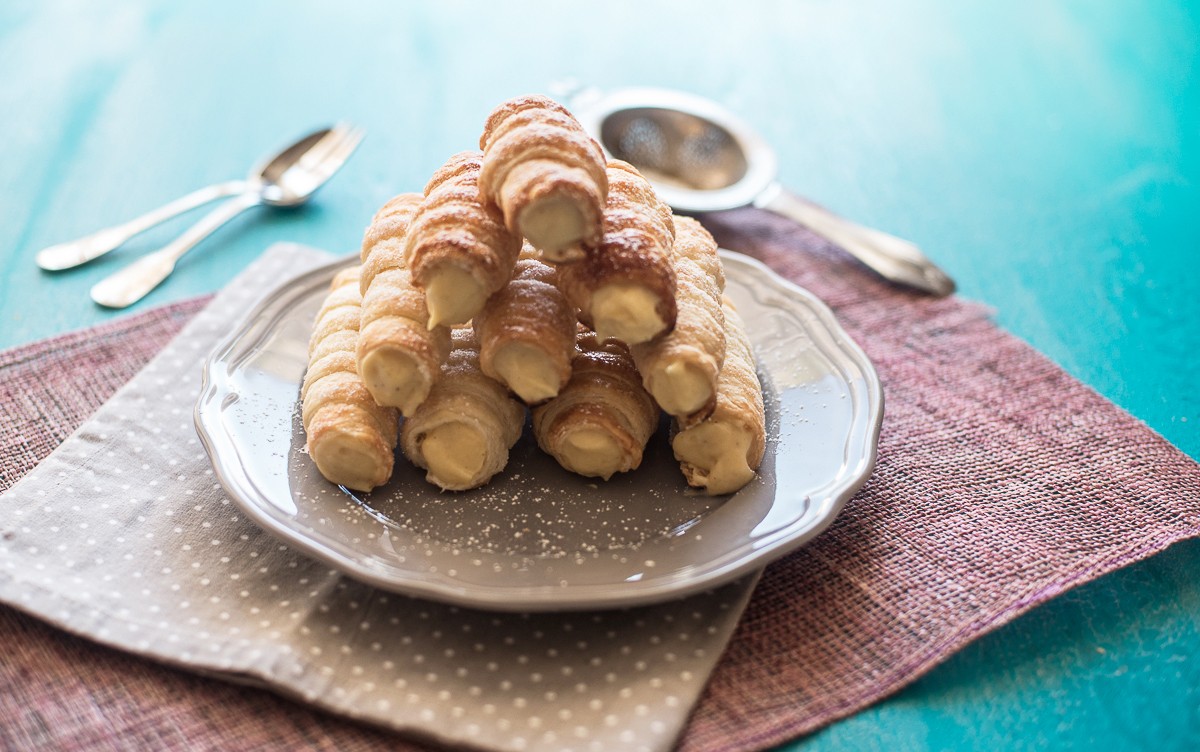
(125, 535)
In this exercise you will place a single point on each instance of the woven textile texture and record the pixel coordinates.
(1001, 482)
(61, 692)
(124, 535)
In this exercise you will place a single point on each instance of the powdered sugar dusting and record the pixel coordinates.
(537, 509)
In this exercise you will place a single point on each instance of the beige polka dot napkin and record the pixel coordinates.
(125, 536)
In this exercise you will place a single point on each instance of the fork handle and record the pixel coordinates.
(891, 257)
(75, 252)
(130, 284)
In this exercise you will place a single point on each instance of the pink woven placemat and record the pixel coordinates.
(1001, 482)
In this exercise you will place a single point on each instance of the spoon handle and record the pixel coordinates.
(892, 258)
(81, 250)
(130, 284)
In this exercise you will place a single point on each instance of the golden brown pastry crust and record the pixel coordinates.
(349, 437)
(383, 240)
(455, 236)
(462, 432)
(526, 332)
(634, 254)
(398, 355)
(680, 369)
(601, 420)
(545, 173)
(722, 452)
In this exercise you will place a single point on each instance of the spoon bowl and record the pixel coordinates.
(294, 174)
(287, 179)
(272, 173)
(273, 178)
(700, 158)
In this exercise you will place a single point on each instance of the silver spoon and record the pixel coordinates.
(82, 250)
(701, 158)
(287, 179)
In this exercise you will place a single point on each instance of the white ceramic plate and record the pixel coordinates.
(538, 537)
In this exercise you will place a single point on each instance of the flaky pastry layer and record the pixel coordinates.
(600, 422)
(526, 332)
(624, 287)
(545, 173)
(462, 432)
(398, 355)
(680, 368)
(349, 437)
(722, 452)
(457, 247)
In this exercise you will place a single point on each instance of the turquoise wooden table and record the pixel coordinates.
(1046, 154)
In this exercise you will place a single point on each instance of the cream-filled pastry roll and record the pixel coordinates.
(462, 432)
(384, 239)
(600, 422)
(526, 332)
(680, 369)
(349, 437)
(546, 174)
(625, 286)
(722, 452)
(399, 355)
(457, 247)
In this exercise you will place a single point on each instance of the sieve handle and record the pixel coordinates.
(892, 258)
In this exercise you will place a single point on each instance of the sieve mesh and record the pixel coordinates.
(676, 148)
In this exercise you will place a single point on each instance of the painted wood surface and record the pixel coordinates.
(1046, 154)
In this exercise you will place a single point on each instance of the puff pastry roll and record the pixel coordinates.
(721, 453)
(350, 438)
(625, 287)
(462, 432)
(383, 241)
(457, 247)
(526, 332)
(680, 369)
(600, 422)
(398, 354)
(546, 174)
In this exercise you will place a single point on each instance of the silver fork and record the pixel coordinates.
(289, 178)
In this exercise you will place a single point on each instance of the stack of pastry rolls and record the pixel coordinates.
(533, 274)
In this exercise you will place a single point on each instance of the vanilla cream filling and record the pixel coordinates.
(714, 456)
(453, 296)
(591, 452)
(343, 460)
(625, 312)
(552, 225)
(680, 388)
(454, 454)
(394, 379)
(527, 371)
